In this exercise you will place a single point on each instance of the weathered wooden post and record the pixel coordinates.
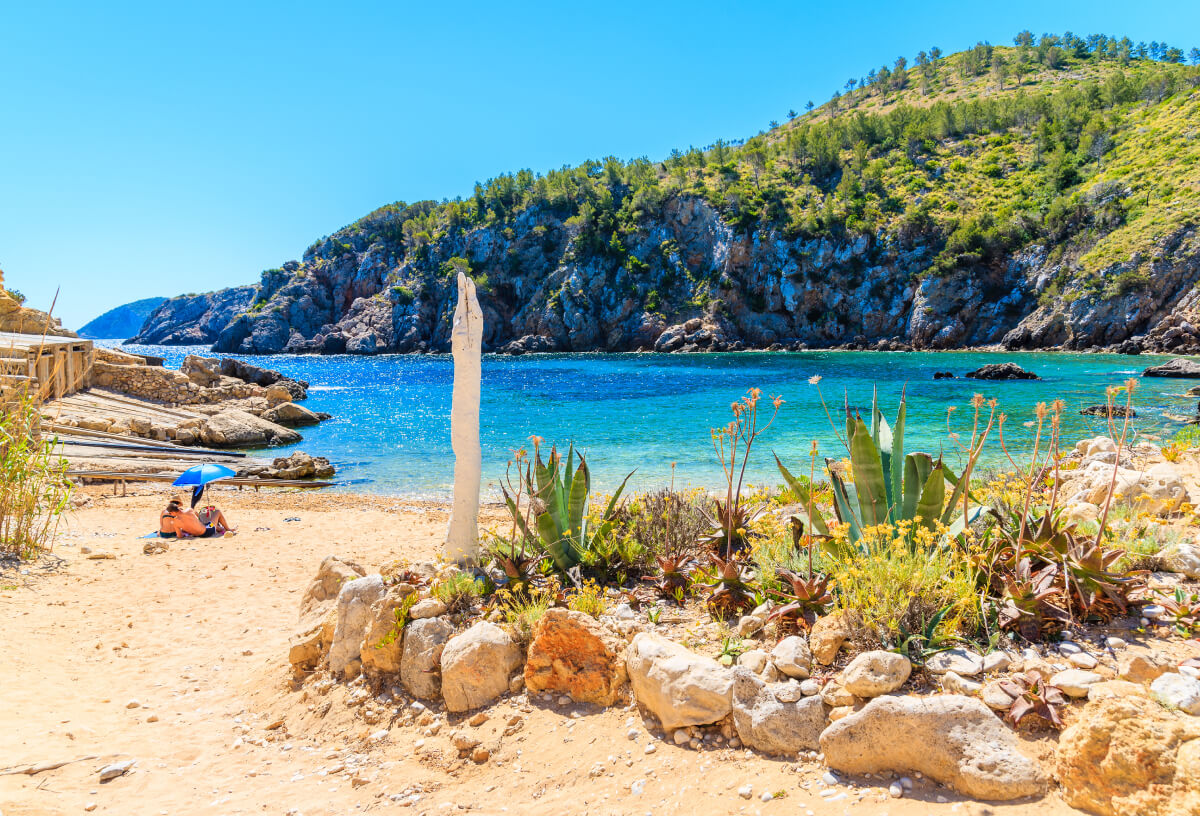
(466, 342)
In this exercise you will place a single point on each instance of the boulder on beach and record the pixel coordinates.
(1179, 367)
(677, 685)
(1126, 755)
(476, 666)
(1001, 371)
(776, 718)
(572, 654)
(952, 739)
(232, 428)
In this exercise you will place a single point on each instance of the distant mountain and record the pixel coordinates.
(123, 321)
(1039, 195)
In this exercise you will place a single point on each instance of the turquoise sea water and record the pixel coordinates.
(391, 428)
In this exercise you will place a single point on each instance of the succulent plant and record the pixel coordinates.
(1032, 693)
(560, 493)
(1028, 602)
(808, 599)
(675, 574)
(731, 593)
(888, 487)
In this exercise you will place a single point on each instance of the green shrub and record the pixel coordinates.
(34, 489)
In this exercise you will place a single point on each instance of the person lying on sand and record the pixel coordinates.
(177, 522)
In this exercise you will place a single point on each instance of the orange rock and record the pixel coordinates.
(1129, 756)
(573, 654)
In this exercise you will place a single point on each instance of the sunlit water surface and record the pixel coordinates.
(391, 428)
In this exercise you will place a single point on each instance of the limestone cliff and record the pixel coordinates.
(701, 286)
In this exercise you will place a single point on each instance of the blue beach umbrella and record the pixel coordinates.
(203, 474)
(198, 476)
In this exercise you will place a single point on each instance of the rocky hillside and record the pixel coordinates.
(1040, 195)
(123, 321)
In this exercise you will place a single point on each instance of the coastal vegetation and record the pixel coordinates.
(34, 489)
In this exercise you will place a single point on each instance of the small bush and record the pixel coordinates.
(897, 581)
(34, 489)
(460, 591)
(589, 599)
(522, 612)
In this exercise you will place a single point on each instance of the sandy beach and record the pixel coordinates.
(178, 661)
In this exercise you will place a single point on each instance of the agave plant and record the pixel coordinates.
(561, 492)
(731, 593)
(1182, 610)
(675, 574)
(1029, 601)
(1078, 570)
(520, 569)
(1031, 693)
(731, 527)
(808, 599)
(889, 486)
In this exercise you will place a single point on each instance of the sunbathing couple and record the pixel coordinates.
(175, 522)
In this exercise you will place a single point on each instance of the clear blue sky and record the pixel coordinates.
(162, 148)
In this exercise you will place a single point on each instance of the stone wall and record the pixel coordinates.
(176, 388)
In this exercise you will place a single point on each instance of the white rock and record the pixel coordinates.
(1183, 557)
(792, 657)
(746, 791)
(1080, 512)
(995, 697)
(755, 660)
(423, 642)
(1153, 611)
(996, 662)
(682, 737)
(877, 672)
(1179, 691)
(678, 686)
(1068, 648)
(830, 778)
(775, 718)
(955, 740)
(954, 684)
(895, 790)
(476, 666)
(115, 769)
(427, 608)
(963, 662)
(1075, 682)
(353, 619)
(749, 625)
(766, 796)
(810, 687)
(1082, 660)
(1114, 642)
(1158, 490)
